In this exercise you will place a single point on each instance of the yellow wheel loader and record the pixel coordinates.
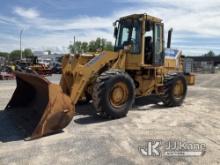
(139, 66)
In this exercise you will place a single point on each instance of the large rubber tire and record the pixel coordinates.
(168, 97)
(103, 90)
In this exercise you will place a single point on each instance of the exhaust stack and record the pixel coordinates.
(169, 38)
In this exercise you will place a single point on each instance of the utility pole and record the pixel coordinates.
(74, 47)
(21, 32)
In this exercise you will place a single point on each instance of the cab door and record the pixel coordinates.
(158, 58)
(133, 58)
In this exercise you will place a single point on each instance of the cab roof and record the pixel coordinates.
(145, 16)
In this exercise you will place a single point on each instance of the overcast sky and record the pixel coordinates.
(51, 24)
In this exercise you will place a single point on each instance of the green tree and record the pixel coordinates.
(84, 47)
(15, 55)
(109, 46)
(98, 43)
(27, 53)
(4, 54)
(71, 48)
(92, 46)
(209, 54)
(103, 43)
(77, 46)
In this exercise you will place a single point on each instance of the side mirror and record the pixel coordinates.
(115, 32)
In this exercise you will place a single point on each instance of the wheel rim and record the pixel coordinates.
(119, 94)
(178, 91)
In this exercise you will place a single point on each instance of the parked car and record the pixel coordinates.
(6, 73)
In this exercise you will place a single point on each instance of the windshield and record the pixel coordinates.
(128, 33)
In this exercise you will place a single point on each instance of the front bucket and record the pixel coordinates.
(39, 106)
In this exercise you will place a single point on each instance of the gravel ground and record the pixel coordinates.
(91, 140)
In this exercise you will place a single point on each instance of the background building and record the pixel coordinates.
(2, 61)
(204, 64)
(47, 58)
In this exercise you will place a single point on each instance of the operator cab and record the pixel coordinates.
(144, 35)
(128, 33)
